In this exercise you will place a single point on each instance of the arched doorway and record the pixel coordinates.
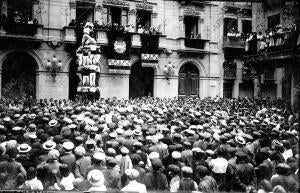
(19, 76)
(141, 81)
(188, 80)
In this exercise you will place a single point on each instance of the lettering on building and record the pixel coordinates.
(116, 2)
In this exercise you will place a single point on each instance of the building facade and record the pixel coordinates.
(39, 41)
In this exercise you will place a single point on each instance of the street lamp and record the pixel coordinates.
(53, 66)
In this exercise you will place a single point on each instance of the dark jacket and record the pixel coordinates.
(246, 174)
(156, 181)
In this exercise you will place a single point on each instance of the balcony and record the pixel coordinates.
(21, 31)
(195, 43)
(229, 73)
(288, 49)
(234, 42)
(247, 76)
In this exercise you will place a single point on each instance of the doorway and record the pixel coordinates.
(141, 81)
(188, 80)
(19, 76)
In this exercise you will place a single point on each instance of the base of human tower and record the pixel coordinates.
(88, 71)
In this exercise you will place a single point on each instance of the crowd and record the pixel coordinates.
(272, 38)
(149, 144)
(124, 28)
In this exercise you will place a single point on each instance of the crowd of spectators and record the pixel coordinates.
(123, 28)
(17, 17)
(149, 144)
(261, 42)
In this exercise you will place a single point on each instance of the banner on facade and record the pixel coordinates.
(119, 44)
(149, 50)
(119, 66)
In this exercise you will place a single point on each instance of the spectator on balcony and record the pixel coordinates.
(271, 37)
(96, 25)
(279, 32)
(140, 29)
(259, 40)
(17, 17)
(192, 35)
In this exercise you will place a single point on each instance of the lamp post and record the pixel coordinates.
(53, 66)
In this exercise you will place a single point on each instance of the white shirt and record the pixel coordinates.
(287, 154)
(134, 186)
(34, 184)
(175, 186)
(218, 165)
(67, 182)
(98, 189)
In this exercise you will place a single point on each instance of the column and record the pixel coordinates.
(132, 16)
(3, 7)
(238, 79)
(256, 83)
(278, 82)
(72, 10)
(1, 83)
(98, 13)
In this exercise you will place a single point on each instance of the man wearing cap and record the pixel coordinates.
(284, 178)
(67, 156)
(245, 171)
(187, 154)
(111, 175)
(124, 160)
(186, 183)
(156, 180)
(23, 156)
(98, 162)
(11, 169)
(174, 172)
(82, 162)
(133, 185)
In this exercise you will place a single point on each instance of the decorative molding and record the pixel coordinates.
(144, 5)
(98, 7)
(154, 15)
(132, 12)
(72, 4)
(192, 11)
(54, 43)
(116, 2)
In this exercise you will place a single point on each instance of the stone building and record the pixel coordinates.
(37, 54)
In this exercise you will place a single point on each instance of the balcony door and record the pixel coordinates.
(188, 80)
(84, 12)
(191, 26)
(143, 18)
(19, 76)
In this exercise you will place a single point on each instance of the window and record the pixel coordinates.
(191, 26)
(143, 18)
(229, 24)
(84, 12)
(113, 15)
(19, 11)
(247, 26)
(273, 21)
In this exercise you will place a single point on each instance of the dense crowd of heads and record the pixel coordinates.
(149, 144)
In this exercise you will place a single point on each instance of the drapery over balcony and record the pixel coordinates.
(194, 43)
(20, 28)
(234, 42)
(149, 43)
(119, 44)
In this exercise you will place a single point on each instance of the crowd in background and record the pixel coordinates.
(124, 28)
(262, 41)
(149, 144)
